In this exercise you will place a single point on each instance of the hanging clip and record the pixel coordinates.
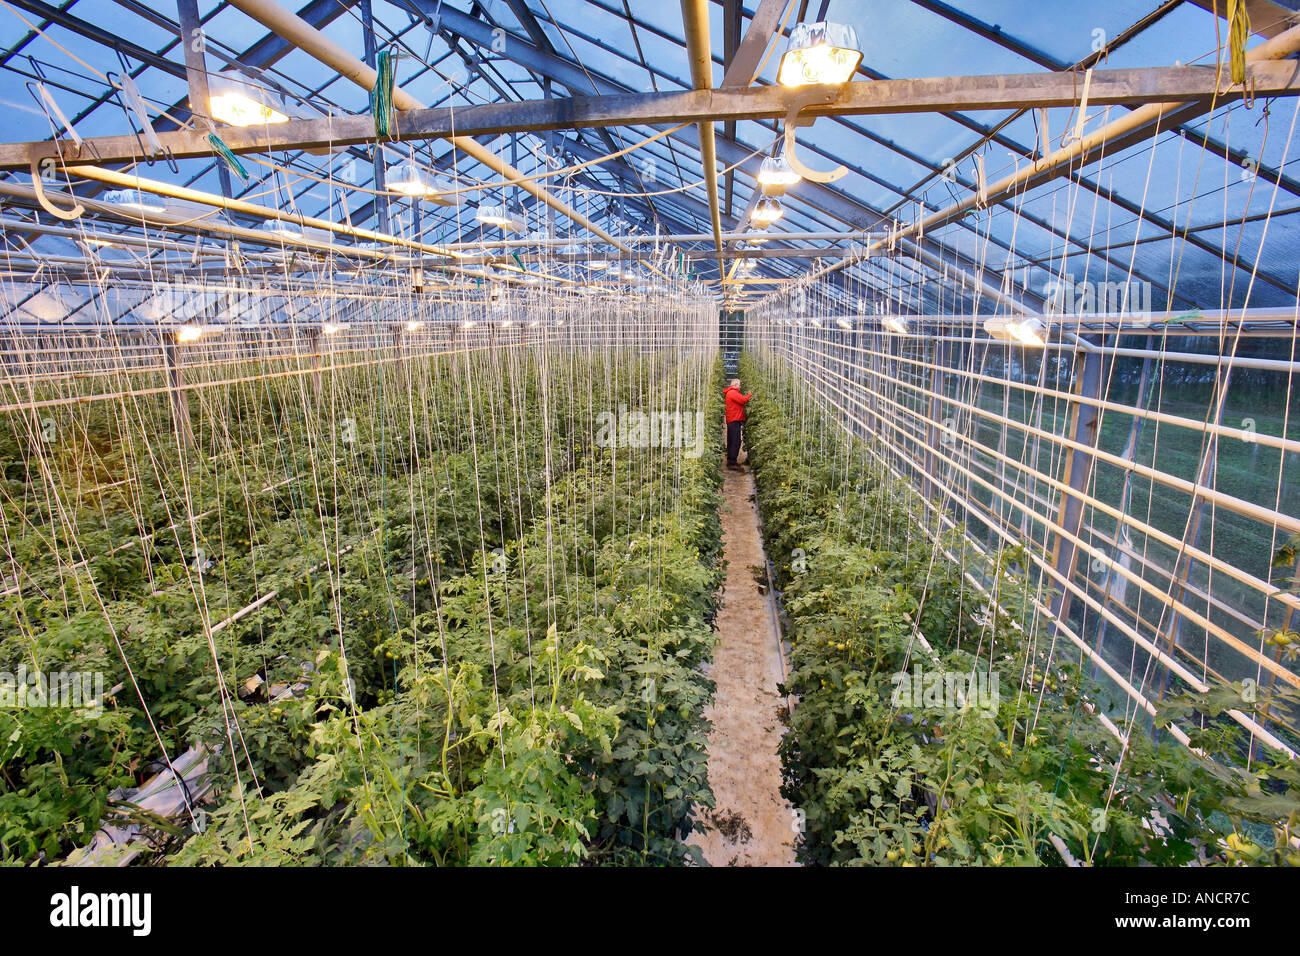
(801, 100)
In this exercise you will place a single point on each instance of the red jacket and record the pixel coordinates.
(736, 404)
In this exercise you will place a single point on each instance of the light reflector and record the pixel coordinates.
(820, 53)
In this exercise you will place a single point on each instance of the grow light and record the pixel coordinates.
(1026, 331)
(332, 328)
(822, 53)
(767, 211)
(776, 175)
(414, 326)
(241, 104)
(411, 180)
(895, 323)
(844, 324)
(498, 216)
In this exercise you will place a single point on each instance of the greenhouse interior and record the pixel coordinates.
(610, 433)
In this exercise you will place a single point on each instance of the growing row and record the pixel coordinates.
(939, 722)
(417, 616)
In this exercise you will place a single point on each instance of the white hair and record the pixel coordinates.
(735, 383)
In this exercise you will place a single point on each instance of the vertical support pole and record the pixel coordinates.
(1083, 429)
(176, 387)
(194, 42)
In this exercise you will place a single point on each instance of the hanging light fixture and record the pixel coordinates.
(820, 53)
(1026, 331)
(189, 333)
(895, 323)
(776, 175)
(767, 211)
(499, 215)
(242, 104)
(410, 180)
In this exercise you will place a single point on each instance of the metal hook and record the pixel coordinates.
(816, 95)
(39, 188)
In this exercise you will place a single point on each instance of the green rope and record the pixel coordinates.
(231, 159)
(519, 262)
(381, 96)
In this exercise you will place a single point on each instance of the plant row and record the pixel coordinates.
(941, 723)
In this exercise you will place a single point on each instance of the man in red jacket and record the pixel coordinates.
(735, 419)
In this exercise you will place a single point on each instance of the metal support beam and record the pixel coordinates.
(196, 67)
(695, 20)
(1164, 86)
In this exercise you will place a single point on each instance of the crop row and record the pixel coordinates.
(938, 722)
(492, 625)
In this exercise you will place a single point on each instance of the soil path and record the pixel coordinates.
(751, 825)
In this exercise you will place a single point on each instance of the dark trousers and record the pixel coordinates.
(733, 441)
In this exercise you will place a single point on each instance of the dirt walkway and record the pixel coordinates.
(751, 825)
